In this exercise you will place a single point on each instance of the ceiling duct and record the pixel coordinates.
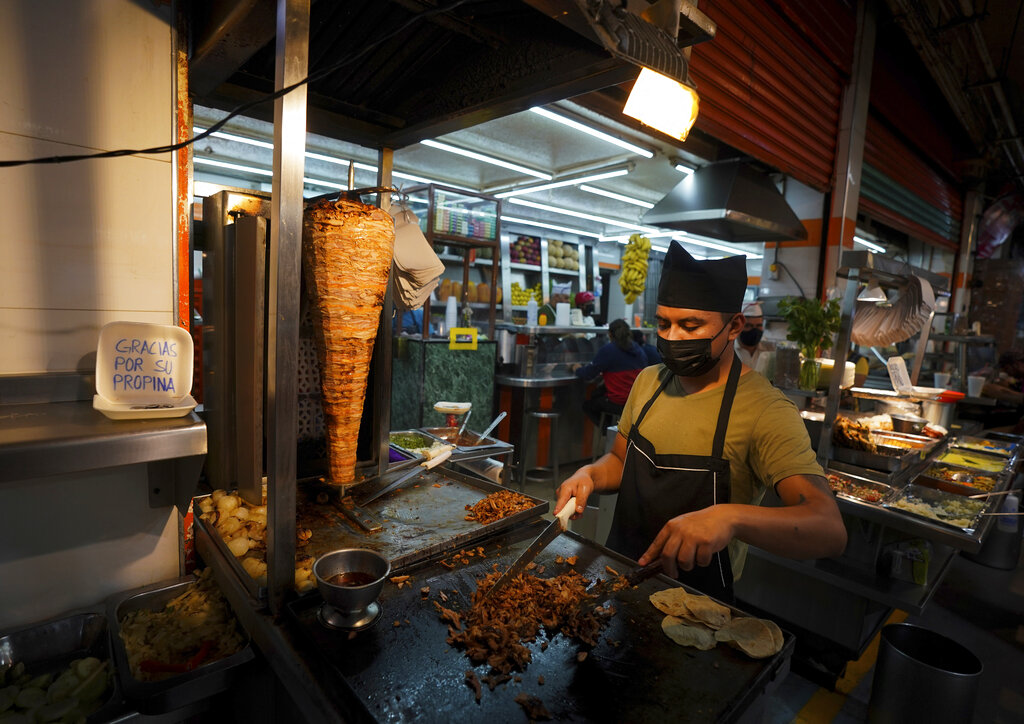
(731, 201)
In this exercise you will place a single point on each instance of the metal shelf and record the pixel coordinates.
(59, 438)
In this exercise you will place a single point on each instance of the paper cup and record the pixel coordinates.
(974, 385)
(942, 380)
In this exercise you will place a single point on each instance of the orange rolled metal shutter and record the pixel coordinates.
(771, 81)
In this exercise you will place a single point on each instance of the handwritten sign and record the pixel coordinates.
(147, 363)
(144, 365)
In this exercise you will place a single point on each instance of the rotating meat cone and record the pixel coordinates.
(348, 247)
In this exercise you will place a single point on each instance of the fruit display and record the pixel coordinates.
(525, 250)
(563, 256)
(521, 296)
(473, 292)
(634, 267)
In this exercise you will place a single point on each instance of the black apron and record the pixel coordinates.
(656, 488)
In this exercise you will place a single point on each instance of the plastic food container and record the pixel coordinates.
(143, 371)
(176, 692)
(50, 646)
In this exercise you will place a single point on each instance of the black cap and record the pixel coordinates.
(715, 285)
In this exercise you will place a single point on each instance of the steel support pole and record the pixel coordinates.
(850, 143)
(283, 298)
(382, 362)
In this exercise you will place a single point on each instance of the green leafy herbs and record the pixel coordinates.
(811, 323)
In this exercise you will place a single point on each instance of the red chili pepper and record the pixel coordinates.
(159, 667)
(200, 656)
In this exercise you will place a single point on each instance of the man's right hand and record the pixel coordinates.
(601, 476)
(579, 485)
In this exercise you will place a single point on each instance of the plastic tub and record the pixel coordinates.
(922, 676)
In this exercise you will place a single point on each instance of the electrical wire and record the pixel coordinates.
(311, 78)
(786, 269)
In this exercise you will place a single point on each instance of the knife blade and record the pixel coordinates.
(554, 529)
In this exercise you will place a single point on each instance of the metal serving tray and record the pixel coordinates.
(425, 517)
(427, 439)
(1003, 448)
(49, 646)
(960, 484)
(993, 464)
(921, 494)
(883, 490)
(176, 692)
(448, 435)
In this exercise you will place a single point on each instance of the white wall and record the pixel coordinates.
(83, 243)
(88, 242)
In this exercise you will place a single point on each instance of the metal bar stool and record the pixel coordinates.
(538, 415)
(601, 433)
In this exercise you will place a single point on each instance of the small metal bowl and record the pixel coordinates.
(907, 423)
(368, 568)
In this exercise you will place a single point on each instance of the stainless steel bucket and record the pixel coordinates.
(922, 676)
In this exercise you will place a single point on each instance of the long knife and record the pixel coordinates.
(554, 529)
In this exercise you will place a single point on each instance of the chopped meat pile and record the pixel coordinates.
(497, 630)
(533, 707)
(497, 506)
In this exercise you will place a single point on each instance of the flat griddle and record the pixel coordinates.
(409, 673)
(419, 521)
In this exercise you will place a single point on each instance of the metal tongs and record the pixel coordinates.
(397, 483)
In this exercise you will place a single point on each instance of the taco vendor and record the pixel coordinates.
(700, 439)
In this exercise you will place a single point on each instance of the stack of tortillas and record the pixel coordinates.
(696, 620)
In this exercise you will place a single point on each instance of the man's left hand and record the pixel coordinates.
(691, 539)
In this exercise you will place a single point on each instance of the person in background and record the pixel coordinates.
(618, 363)
(412, 321)
(751, 348)
(1007, 383)
(700, 441)
(748, 344)
(585, 303)
(653, 355)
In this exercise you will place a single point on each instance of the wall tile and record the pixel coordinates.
(93, 73)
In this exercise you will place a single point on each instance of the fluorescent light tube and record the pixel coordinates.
(607, 137)
(617, 197)
(581, 215)
(688, 170)
(715, 245)
(233, 166)
(543, 225)
(564, 182)
(868, 244)
(485, 158)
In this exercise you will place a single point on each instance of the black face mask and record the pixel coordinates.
(750, 337)
(689, 357)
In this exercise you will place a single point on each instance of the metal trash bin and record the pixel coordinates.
(922, 676)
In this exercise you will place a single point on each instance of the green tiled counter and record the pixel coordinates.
(425, 372)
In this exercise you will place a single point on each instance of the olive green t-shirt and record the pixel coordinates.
(766, 440)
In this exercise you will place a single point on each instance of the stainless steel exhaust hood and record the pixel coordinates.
(731, 201)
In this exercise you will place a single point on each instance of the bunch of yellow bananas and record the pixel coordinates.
(634, 267)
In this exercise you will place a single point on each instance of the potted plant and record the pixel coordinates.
(811, 325)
